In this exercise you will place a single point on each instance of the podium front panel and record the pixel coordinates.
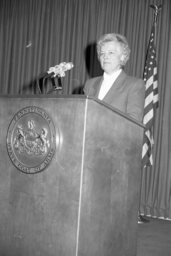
(39, 211)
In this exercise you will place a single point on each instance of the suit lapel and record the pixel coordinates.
(96, 86)
(116, 86)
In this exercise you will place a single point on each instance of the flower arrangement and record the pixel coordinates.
(59, 70)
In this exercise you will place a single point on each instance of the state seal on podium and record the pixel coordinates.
(31, 140)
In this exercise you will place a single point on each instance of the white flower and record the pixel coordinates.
(59, 70)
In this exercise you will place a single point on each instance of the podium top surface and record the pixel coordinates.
(74, 97)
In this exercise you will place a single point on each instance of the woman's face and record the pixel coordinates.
(110, 57)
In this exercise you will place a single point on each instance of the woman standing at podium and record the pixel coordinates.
(115, 87)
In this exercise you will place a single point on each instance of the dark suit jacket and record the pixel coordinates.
(126, 94)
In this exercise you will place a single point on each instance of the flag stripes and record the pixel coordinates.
(151, 100)
(147, 148)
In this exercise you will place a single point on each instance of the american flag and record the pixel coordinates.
(151, 100)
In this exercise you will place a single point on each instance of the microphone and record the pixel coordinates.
(44, 75)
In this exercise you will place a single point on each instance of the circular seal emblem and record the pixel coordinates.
(31, 140)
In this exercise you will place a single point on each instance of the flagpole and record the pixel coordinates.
(156, 9)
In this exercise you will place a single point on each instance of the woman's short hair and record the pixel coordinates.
(115, 38)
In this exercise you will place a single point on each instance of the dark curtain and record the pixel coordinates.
(38, 34)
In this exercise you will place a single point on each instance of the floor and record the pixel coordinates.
(154, 238)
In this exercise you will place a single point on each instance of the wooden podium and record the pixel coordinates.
(69, 177)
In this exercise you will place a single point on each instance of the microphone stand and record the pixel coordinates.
(56, 87)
